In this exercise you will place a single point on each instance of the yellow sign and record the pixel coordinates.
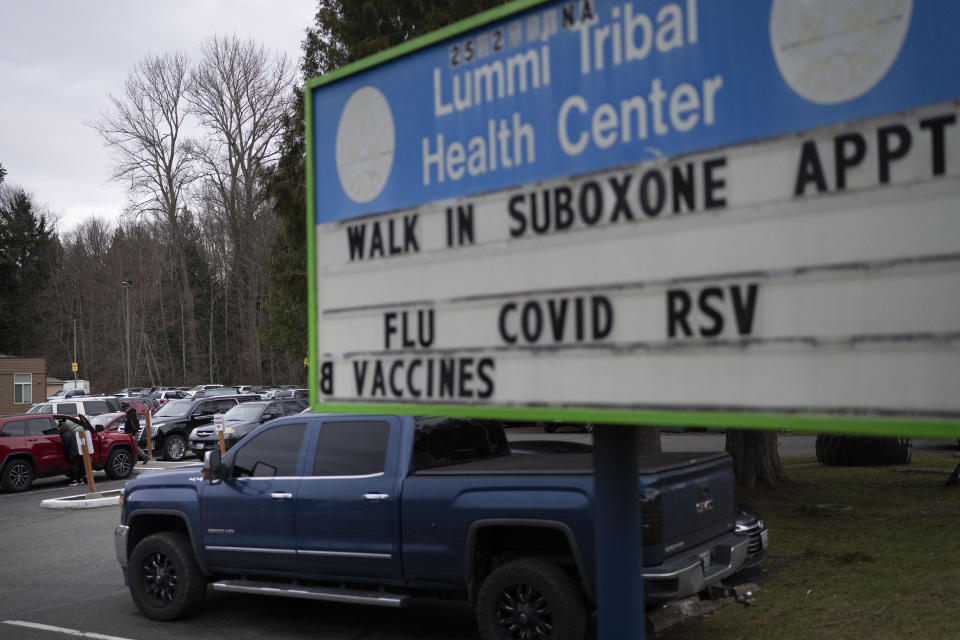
(306, 362)
(74, 369)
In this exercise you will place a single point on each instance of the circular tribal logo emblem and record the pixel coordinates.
(831, 51)
(365, 144)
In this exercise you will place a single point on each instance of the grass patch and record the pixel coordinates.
(888, 568)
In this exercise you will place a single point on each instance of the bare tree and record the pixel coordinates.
(144, 129)
(237, 92)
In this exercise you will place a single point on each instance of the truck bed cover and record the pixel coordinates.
(566, 464)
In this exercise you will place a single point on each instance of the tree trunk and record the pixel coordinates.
(192, 345)
(755, 458)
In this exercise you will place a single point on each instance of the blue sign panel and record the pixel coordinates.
(576, 86)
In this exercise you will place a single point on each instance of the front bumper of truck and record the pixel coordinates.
(120, 545)
(695, 569)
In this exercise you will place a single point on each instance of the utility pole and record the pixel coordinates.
(126, 285)
(75, 361)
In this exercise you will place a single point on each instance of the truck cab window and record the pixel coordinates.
(273, 452)
(351, 448)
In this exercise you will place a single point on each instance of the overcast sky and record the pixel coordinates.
(59, 59)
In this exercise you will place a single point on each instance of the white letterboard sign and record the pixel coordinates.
(702, 213)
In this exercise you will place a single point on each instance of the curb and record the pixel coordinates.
(81, 501)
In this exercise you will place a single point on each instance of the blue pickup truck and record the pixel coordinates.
(379, 509)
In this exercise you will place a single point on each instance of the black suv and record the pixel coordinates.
(172, 423)
(240, 421)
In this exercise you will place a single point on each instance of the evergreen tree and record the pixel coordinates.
(25, 243)
(344, 31)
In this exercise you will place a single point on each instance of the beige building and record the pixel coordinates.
(23, 381)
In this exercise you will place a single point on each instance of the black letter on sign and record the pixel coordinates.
(389, 327)
(355, 237)
(936, 126)
(886, 153)
(712, 184)
(744, 309)
(652, 205)
(620, 204)
(504, 310)
(704, 300)
(397, 391)
(677, 315)
(810, 170)
(484, 372)
(326, 378)
(515, 203)
(843, 159)
(602, 317)
(359, 374)
(562, 197)
(591, 196)
(683, 187)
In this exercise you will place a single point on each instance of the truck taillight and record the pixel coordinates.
(652, 514)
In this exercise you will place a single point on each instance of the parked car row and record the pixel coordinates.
(240, 421)
(171, 426)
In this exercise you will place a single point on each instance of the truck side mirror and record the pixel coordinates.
(213, 468)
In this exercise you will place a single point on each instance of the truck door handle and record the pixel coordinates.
(281, 495)
(376, 497)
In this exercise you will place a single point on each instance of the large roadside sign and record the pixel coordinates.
(717, 213)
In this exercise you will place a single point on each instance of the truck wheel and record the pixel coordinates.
(862, 451)
(165, 581)
(174, 447)
(17, 475)
(530, 599)
(119, 464)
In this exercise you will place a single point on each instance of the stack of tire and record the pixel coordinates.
(862, 451)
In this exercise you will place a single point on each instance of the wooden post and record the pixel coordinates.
(218, 425)
(88, 468)
(146, 415)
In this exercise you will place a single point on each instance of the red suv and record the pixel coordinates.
(30, 448)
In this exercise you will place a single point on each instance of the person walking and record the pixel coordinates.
(131, 424)
(71, 451)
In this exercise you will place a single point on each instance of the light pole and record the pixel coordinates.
(126, 285)
(74, 351)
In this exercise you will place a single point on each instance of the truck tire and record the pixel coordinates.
(174, 447)
(119, 464)
(862, 451)
(17, 475)
(533, 599)
(165, 581)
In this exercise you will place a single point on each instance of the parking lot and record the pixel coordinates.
(59, 576)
